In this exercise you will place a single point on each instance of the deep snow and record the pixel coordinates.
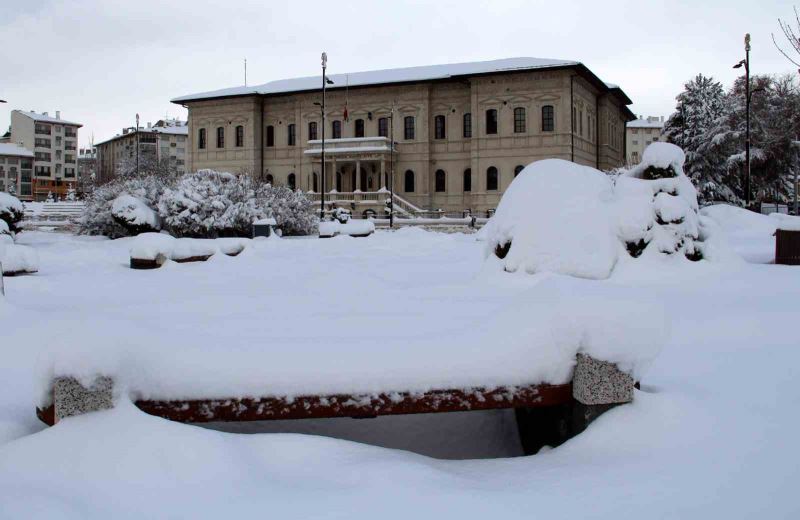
(712, 433)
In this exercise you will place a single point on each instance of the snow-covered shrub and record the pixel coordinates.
(561, 217)
(5, 231)
(98, 218)
(134, 214)
(341, 215)
(656, 208)
(16, 259)
(212, 204)
(292, 210)
(11, 211)
(554, 217)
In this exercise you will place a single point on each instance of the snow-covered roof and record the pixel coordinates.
(379, 77)
(645, 123)
(168, 130)
(14, 149)
(46, 119)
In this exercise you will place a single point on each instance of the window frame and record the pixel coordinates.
(201, 139)
(440, 181)
(492, 126)
(548, 118)
(409, 180)
(467, 180)
(409, 128)
(359, 129)
(221, 137)
(270, 136)
(439, 127)
(520, 122)
(492, 178)
(466, 125)
(291, 134)
(312, 131)
(336, 129)
(239, 136)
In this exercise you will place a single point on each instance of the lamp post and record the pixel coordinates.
(746, 63)
(137, 145)
(391, 168)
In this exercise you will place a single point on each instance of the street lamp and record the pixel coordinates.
(746, 63)
(325, 82)
(137, 145)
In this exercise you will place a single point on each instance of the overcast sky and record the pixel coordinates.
(100, 61)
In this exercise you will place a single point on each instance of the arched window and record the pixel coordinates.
(270, 135)
(548, 119)
(239, 136)
(290, 135)
(408, 129)
(359, 127)
(315, 181)
(439, 127)
(291, 181)
(336, 129)
(312, 130)
(201, 139)
(383, 127)
(440, 181)
(409, 181)
(220, 137)
(519, 120)
(467, 125)
(270, 179)
(468, 179)
(491, 121)
(491, 179)
(518, 169)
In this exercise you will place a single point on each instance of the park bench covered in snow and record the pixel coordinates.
(546, 414)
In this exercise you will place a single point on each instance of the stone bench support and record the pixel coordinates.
(70, 397)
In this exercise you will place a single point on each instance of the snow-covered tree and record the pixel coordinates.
(292, 210)
(11, 211)
(699, 107)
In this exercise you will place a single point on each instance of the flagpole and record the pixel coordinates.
(322, 195)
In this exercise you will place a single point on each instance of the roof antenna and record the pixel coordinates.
(245, 72)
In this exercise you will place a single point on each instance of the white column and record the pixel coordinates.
(358, 176)
(383, 182)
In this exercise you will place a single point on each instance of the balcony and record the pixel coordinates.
(70, 133)
(43, 130)
(350, 147)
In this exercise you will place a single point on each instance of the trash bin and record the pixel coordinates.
(264, 227)
(787, 246)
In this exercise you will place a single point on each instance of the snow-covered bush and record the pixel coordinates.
(554, 217)
(561, 217)
(341, 215)
(11, 211)
(134, 214)
(16, 259)
(98, 217)
(292, 210)
(656, 207)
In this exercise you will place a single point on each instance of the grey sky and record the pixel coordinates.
(100, 61)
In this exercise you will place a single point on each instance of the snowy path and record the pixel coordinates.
(712, 434)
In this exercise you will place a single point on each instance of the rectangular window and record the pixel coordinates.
(359, 128)
(270, 135)
(408, 128)
(336, 127)
(290, 135)
(491, 121)
(220, 137)
(467, 125)
(439, 127)
(548, 118)
(574, 122)
(312, 131)
(239, 137)
(580, 122)
(519, 120)
(383, 127)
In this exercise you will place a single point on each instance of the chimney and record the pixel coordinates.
(58, 114)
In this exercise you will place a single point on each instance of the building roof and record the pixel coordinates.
(182, 129)
(388, 76)
(46, 119)
(14, 149)
(645, 123)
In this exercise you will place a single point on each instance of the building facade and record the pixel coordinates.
(639, 134)
(16, 170)
(54, 143)
(462, 132)
(165, 141)
(87, 168)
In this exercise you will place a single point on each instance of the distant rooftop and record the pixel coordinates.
(14, 149)
(45, 118)
(381, 77)
(164, 126)
(649, 122)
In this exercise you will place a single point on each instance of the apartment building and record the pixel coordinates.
(164, 141)
(87, 168)
(16, 170)
(54, 143)
(461, 132)
(639, 134)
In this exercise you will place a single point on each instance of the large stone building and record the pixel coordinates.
(54, 143)
(462, 131)
(639, 134)
(163, 141)
(16, 170)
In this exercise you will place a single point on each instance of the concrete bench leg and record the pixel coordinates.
(597, 386)
(70, 397)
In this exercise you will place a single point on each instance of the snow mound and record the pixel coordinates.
(185, 248)
(134, 213)
(18, 259)
(4, 230)
(555, 217)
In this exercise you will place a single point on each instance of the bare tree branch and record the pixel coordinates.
(792, 35)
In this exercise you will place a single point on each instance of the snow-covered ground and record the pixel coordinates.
(712, 433)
